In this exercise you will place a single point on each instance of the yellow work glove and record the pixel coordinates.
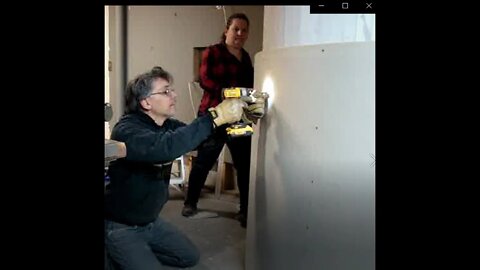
(255, 111)
(247, 120)
(228, 111)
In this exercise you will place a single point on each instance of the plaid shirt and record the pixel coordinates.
(220, 69)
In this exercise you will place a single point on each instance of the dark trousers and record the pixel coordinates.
(148, 247)
(208, 153)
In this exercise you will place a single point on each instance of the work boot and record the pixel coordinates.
(242, 218)
(189, 210)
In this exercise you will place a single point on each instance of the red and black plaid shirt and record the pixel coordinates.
(220, 69)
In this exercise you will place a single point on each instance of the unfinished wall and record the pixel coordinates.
(312, 187)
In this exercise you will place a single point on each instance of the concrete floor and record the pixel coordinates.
(221, 240)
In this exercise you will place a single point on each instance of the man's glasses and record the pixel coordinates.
(168, 92)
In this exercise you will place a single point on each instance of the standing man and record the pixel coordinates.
(224, 65)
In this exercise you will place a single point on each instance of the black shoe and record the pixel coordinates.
(189, 210)
(242, 217)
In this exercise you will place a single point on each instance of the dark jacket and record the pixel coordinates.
(139, 183)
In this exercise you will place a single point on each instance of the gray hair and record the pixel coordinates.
(141, 86)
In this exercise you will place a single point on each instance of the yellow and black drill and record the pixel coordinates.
(249, 95)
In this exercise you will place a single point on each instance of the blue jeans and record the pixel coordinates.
(148, 247)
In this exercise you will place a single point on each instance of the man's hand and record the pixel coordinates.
(228, 111)
(247, 120)
(255, 110)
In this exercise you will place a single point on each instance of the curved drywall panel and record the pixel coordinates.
(312, 189)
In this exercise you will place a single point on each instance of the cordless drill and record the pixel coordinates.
(249, 95)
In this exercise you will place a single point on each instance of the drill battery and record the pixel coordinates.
(239, 130)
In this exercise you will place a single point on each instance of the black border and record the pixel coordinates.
(57, 101)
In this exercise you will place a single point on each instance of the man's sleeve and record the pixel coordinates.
(145, 145)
